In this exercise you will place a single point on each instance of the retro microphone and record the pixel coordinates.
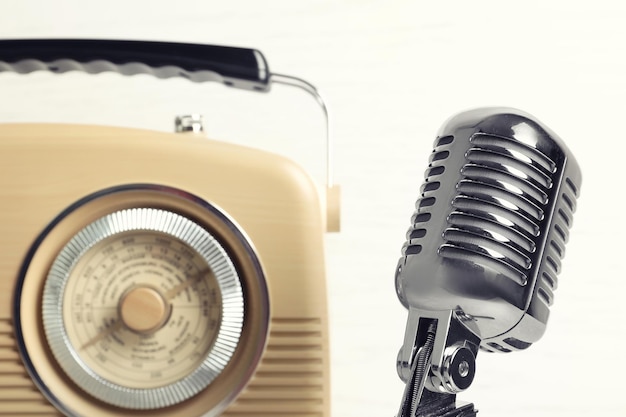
(480, 263)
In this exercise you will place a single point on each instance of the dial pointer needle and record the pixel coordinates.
(104, 333)
(177, 289)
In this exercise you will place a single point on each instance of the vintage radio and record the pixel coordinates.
(151, 273)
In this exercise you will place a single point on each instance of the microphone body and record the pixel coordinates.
(484, 248)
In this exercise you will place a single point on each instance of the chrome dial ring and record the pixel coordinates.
(59, 322)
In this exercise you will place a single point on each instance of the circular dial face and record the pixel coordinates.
(141, 308)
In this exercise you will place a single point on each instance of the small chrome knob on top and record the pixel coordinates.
(193, 123)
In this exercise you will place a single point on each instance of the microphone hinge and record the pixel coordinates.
(451, 340)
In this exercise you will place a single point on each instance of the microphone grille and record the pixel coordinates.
(498, 209)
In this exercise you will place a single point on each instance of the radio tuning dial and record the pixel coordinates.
(143, 308)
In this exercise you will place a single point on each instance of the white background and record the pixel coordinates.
(392, 72)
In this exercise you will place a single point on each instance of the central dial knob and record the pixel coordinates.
(143, 309)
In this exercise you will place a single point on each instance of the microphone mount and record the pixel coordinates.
(439, 354)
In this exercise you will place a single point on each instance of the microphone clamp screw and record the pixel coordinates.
(458, 370)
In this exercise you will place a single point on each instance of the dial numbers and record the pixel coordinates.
(143, 308)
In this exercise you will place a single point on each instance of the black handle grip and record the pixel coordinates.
(236, 67)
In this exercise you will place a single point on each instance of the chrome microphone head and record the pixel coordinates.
(486, 241)
(490, 227)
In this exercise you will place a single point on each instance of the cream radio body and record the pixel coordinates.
(223, 243)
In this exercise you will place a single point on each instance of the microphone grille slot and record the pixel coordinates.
(427, 200)
(558, 237)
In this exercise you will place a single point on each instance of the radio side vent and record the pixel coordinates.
(18, 394)
(291, 378)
